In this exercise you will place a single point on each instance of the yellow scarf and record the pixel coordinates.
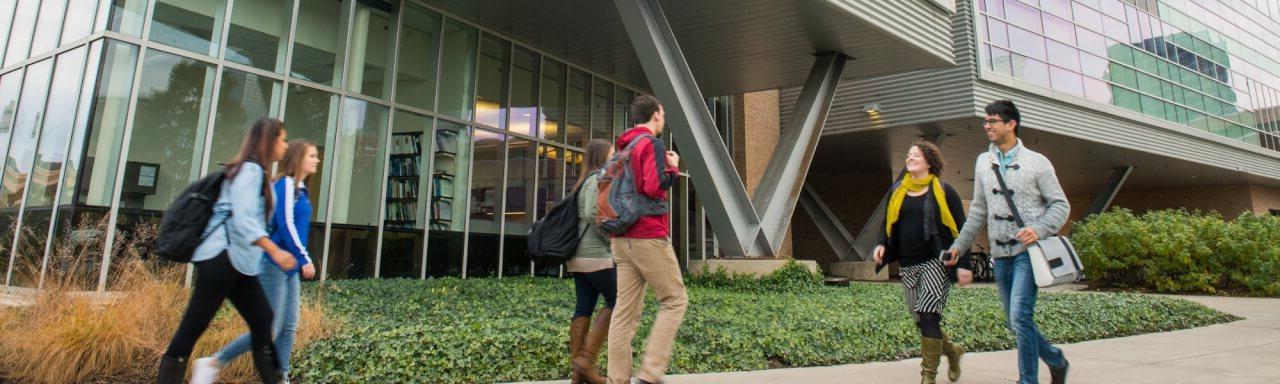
(911, 184)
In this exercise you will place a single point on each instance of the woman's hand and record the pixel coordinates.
(964, 276)
(879, 254)
(283, 258)
(308, 271)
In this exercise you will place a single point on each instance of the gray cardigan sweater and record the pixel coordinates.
(1036, 192)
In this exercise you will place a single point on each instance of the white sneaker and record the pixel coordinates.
(205, 370)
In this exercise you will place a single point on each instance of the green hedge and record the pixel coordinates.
(1182, 252)
(515, 329)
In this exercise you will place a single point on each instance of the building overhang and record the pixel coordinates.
(732, 46)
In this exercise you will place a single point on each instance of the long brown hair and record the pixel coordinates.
(597, 155)
(291, 165)
(257, 145)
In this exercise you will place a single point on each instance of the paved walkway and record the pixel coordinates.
(1246, 351)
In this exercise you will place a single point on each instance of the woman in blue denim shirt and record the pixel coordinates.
(227, 259)
(289, 226)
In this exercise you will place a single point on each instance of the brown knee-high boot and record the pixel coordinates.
(584, 362)
(931, 357)
(953, 352)
(577, 336)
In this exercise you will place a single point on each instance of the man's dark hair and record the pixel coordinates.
(643, 108)
(1007, 111)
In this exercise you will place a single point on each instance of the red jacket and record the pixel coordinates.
(653, 179)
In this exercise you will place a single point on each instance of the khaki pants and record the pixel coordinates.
(641, 262)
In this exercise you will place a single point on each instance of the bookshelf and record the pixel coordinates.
(403, 180)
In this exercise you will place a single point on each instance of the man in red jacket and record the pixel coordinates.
(643, 254)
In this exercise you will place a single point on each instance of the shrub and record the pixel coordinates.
(1181, 252)
(791, 277)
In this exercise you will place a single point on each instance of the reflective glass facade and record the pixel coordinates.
(1207, 64)
(441, 141)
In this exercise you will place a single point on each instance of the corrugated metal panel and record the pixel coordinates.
(907, 98)
(919, 23)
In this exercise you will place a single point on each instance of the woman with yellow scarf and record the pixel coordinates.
(922, 219)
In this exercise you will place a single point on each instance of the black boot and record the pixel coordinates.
(267, 363)
(173, 370)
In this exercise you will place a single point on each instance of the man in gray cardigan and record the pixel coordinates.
(1044, 209)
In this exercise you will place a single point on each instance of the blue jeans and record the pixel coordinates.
(1018, 290)
(592, 285)
(282, 292)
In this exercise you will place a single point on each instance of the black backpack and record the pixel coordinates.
(554, 239)
(183, 224)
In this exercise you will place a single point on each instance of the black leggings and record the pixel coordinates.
(591, 285)
(216, 280)
(930, 324)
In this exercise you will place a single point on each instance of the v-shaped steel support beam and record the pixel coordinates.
(743, 226)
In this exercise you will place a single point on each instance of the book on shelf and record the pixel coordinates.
(408, 143)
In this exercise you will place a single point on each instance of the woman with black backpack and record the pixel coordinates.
(227, 261)
(922, 218)
(593, 273)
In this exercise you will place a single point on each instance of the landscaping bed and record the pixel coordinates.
(515, 329)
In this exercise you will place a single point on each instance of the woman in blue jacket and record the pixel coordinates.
(227, 261)
(289, 224)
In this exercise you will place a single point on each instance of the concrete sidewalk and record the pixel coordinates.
(1246, 351)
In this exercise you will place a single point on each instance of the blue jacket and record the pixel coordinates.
(237, 221)
(291, 222)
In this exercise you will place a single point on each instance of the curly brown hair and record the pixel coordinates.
(932, 155)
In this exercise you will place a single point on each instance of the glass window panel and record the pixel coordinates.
(48, 26)
(553, 98)
(451, 157)
(1091, 42)
(995, 8)
(601, 114)
(357, 165)
(10, 85)
(6, 19)
(457, 76)
(1145, 61)
(168, 131)
(407, 196)
(1166, 90)
(1087, 17)
(243, 98)
(579, 109)
(1001, 61)
(1031, 70)
(1059, 29)
(1124, 76)
(19, 165)
(1115, 29)
(1148, 84)
(999, 32)
(27, 119)
(258, 28)
(621, 114)
(550, 190)
(46, 167)
(321, 41)
(106, 132)
(574, 161)
(193, 25)
(1121, 53)
(372, 47)
(1152, 107)
(1026, 43)
(524, 91)
(419, 58)
(491, 85)
(1195, 100)
(21, 31)
(1023, 15)
(79, 20)
(127, 15)
(1097, 90)
(1061, 8)
(484, 199)
(1197, 120)
(1093, 66)
(1067, 81)
(312, 114)
(1126, 99)
(520, 201)
(1063, 55)
(77, 262)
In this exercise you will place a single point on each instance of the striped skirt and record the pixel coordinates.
(926, 286)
